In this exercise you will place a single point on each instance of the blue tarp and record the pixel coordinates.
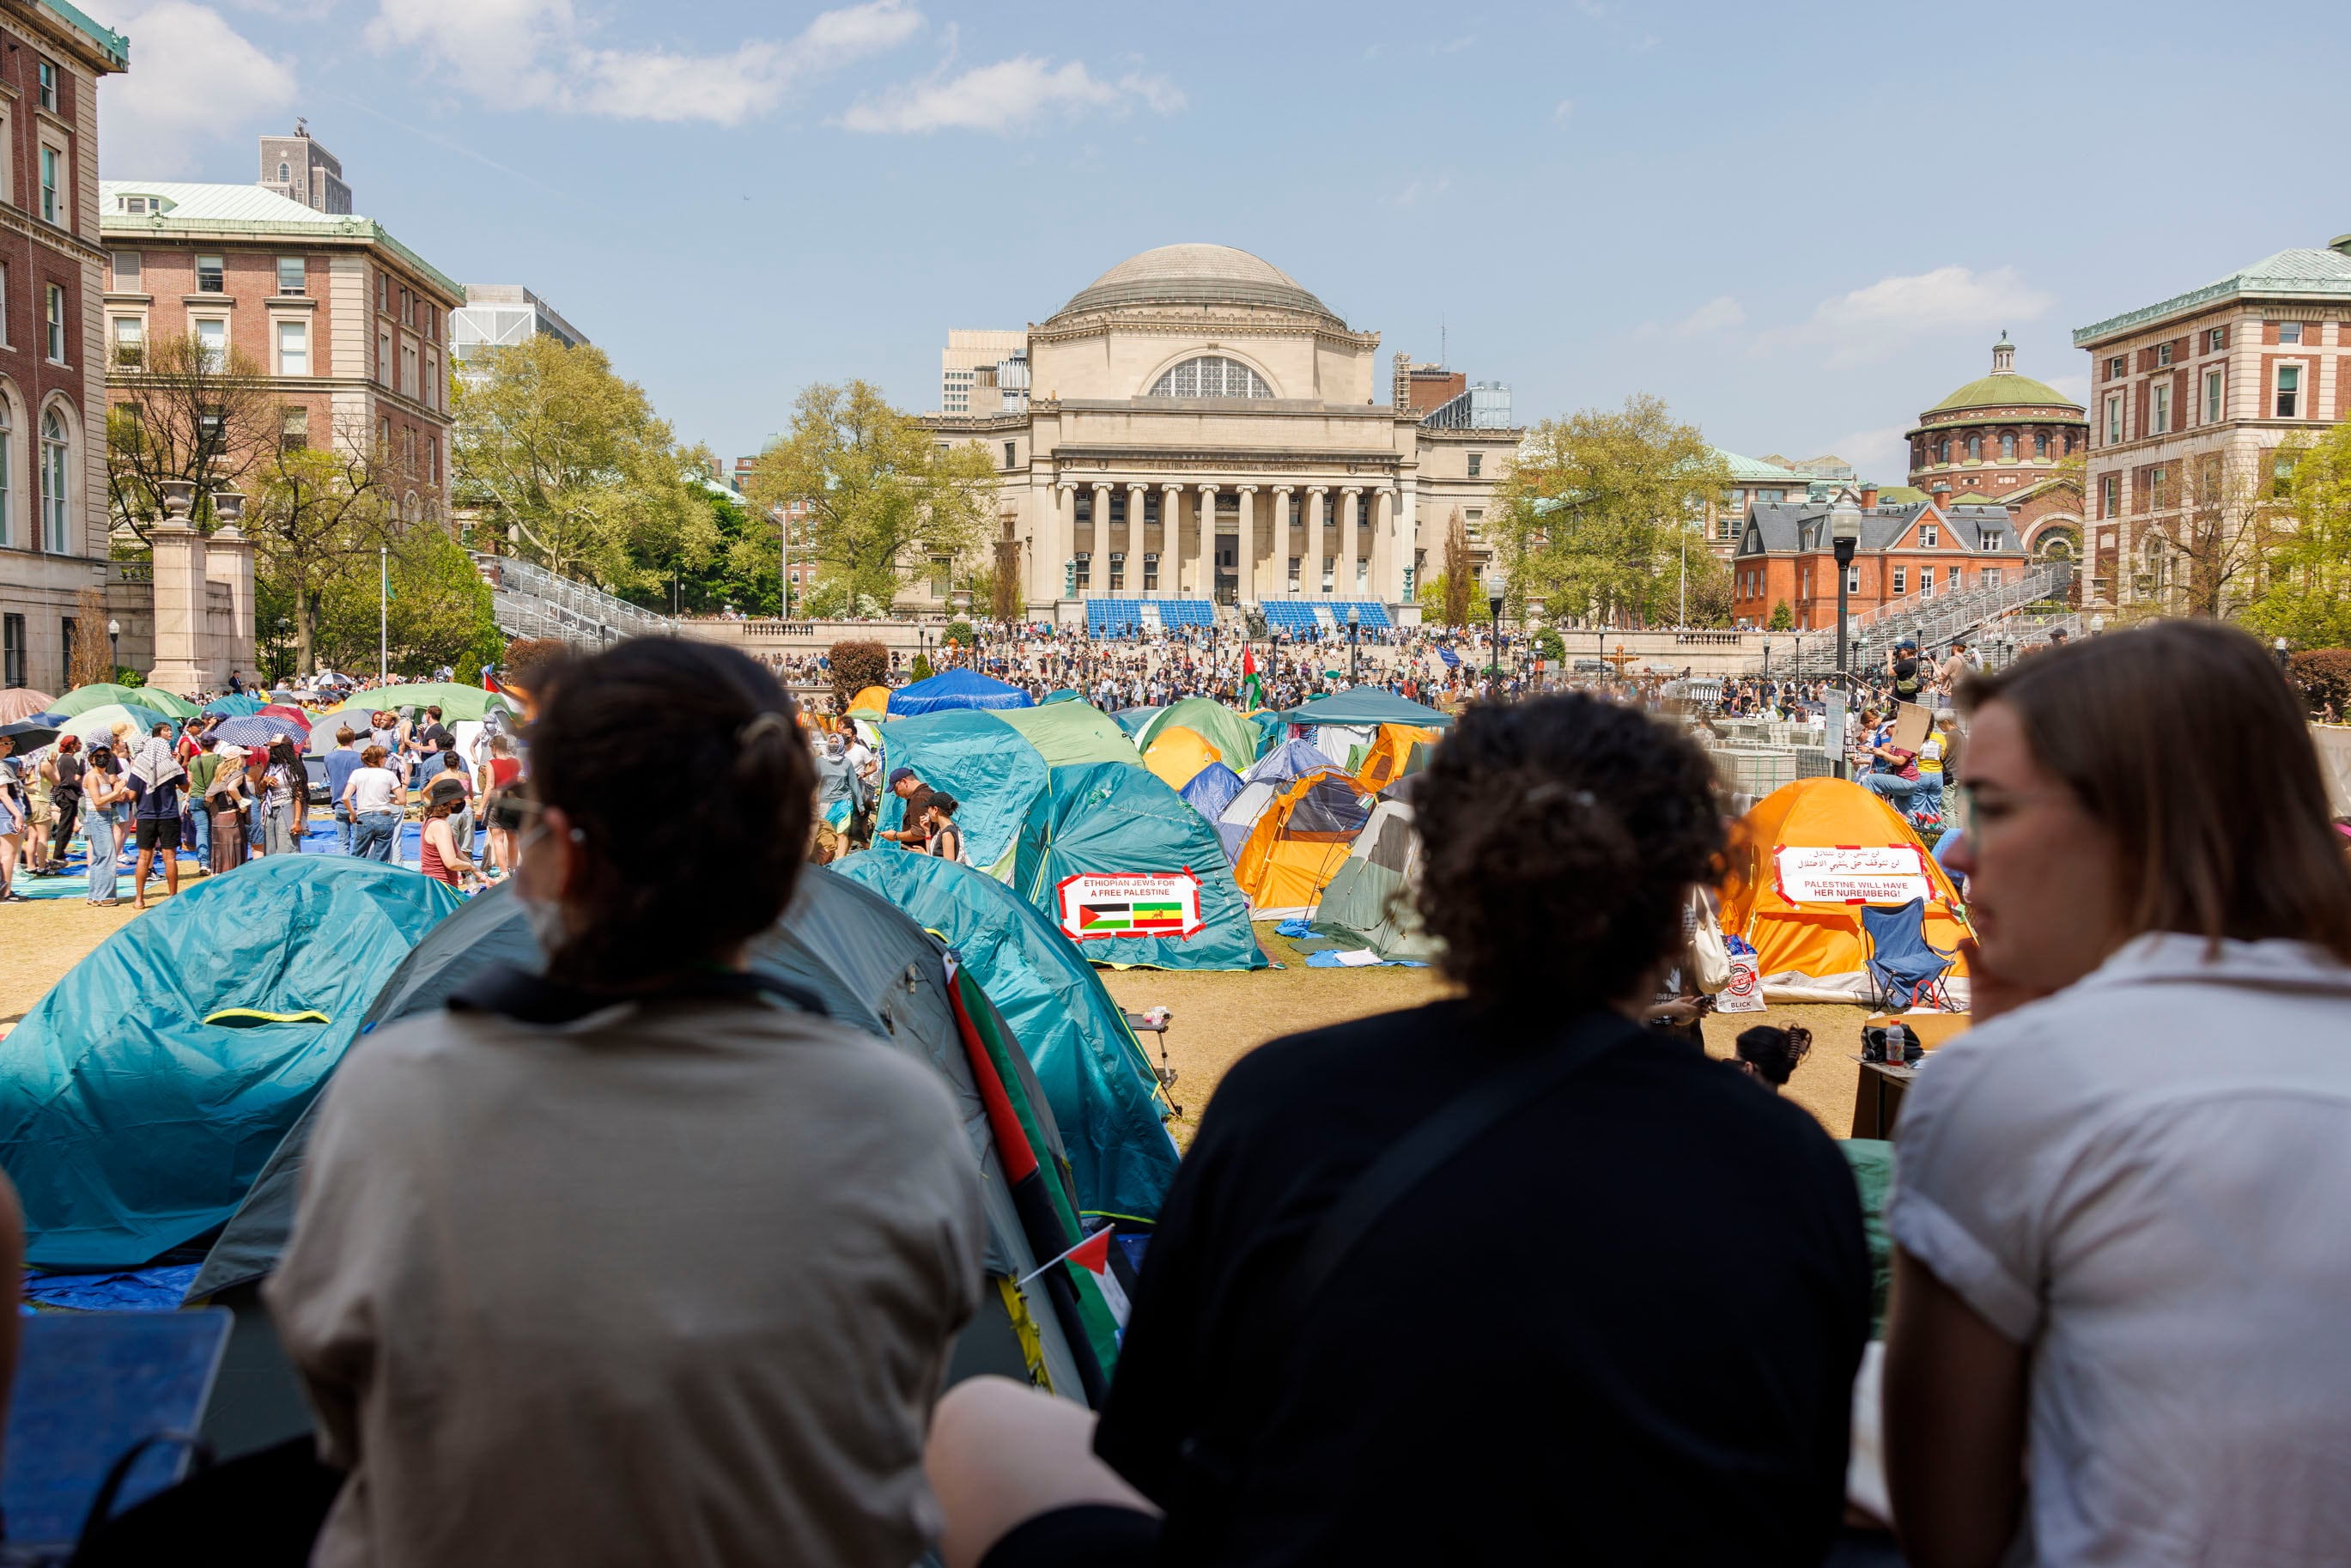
(1211, 791)
(132, 1290)
(1105, 817)
(129, 1125)
(955, 689)
(1096, 1077)
(987, 765)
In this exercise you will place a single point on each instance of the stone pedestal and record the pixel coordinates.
(230, 561)
(183, 659)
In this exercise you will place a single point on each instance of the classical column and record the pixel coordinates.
(1248, 584)
(1285, 514)
(1098, 538)
(1309, 576)
(1407, 524)
(1063, 544)
(228, 557)
(1350, 541)
(1386, 585)
(1171, 540)
(1205, 575)
(1132, 545)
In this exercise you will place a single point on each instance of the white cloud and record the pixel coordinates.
(1455, 46)
(539, 54)
(1417, 189)
(1004, 97)
(199, 81)
(1719, 314)
(1876, 322)
(1563, 108)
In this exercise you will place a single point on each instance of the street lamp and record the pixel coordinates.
(1354, 638)
(1844, 538)
(114, 646)
(1494, 613)
(2279, 646)
(2097, 625)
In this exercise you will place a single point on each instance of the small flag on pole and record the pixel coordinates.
(1092, 1255)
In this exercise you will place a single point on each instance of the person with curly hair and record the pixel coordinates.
(1448, 1285)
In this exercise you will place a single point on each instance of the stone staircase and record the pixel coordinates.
(529, 601)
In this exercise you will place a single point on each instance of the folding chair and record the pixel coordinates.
(1902, 963)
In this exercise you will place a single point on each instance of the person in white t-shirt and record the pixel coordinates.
(375, 801)
(2120, 1274)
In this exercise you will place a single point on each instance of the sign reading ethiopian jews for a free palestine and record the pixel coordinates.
(1852, 873)
(1131, 904)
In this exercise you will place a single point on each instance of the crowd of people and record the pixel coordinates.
(1369, 1326)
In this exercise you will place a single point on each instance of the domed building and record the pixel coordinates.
(1195, 427)
(2006, 440)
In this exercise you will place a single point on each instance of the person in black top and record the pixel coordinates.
(1619, 1323)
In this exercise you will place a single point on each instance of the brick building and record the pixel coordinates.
(1912, 552)
(53, 540)
(1997, 439)
(2194, 397)
(350, 325)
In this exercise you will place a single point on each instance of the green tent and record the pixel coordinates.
(97, 722)
(131, 1125)
(457, 703)
(1110, 820)
(1233, 735)
(1064, 696)
(82, 699)
(1370, 901)
(1366, 705)
(875, 971)
(1104, 1095)
(1071, 732)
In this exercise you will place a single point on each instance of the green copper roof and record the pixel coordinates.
(235, 212)
(2003, 389)
(115, 45)
(2290, 274)
(1901, 496)
(1755, 471)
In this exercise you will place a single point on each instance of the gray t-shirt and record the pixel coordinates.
(670, 1283)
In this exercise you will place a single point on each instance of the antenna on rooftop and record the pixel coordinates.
(1444, 357)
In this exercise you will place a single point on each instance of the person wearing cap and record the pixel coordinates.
(1902, 663)
(911, 832)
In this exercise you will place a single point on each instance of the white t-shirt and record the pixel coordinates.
(373, 789)
(2143, 1178)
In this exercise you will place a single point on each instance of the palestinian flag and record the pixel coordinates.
(1092, 1255)
(1252, 689)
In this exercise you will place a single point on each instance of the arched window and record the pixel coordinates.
(1211, 375)
(285, 173)
(54, 513)
(7, 475)
(1974, 448)
(1943, 450)
(2008, 448)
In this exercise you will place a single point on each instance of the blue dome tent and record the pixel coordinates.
(956, 689)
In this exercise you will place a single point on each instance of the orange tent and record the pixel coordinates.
(1390, 750)
(1178, 755)
(1298, 844)
(873, 698)
(1804, 863)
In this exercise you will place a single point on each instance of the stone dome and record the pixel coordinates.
(1194, 274)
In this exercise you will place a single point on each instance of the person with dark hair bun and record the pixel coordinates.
(1772, 1054)
(644, 1260)
(1448, 1285)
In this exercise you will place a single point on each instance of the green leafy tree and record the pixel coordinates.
(1595, 513)
(2305, 592)
(1459, 573)
(1782, 618)
(178, 410)
(566, 460)
(882, 495)
(921, 668)
(439, 612)
(319, 513)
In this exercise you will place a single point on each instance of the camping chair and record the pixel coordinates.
(1902, 963)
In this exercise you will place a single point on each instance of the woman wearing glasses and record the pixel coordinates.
(2121, 1281)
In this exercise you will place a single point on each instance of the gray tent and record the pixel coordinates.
(874, 967)
(1370, 900)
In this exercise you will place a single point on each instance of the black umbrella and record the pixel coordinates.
(31, 734)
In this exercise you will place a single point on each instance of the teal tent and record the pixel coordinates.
(1108, 818)
(1133, 719)
(131, 1125)
(1104, 1095)
(875, 971)
(1064, 696)
(1366, 705)
(990, 767)
(235, 705)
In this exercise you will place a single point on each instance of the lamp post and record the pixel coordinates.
(2097, 625)
(1354, 638)
(2279, 647)
(114, 647)
(1844, 538)
(1494, 613)
(1534, 621)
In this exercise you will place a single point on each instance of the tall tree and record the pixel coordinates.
(183, 410)
(2304, 594)
(882, 495)
(321, 513)
(1458, 571)
(554, 452)
(439, 611)
(1596, 511)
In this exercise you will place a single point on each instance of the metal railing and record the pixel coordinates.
(529, 601)
(1934, 623)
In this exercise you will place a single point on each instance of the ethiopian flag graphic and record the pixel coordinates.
(1139, 918)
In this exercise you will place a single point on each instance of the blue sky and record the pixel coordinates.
(1798, 224)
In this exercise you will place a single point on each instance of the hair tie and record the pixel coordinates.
(769, 723)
